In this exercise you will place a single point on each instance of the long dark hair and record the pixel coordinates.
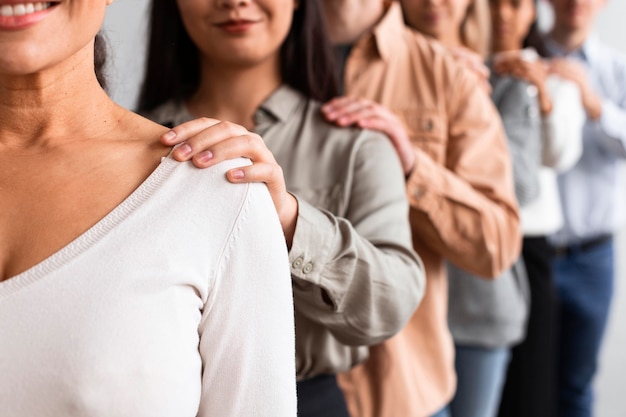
(100, 59)
(173, 66)
(533, 37)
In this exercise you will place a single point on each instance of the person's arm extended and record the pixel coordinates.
(466, 209)
(608, 115)
(358, 275)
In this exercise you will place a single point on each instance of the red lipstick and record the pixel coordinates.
(236, 26)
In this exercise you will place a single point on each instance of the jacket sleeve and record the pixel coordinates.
(465, 209)
(357, 275)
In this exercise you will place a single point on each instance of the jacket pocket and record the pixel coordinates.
(427, 129)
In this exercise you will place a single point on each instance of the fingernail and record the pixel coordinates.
(236, 174)
(342, 120)
(184, 150)
(204, 156)
(169, 136)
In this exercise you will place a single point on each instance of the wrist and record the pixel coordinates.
(288, 217)
(545, 103)
(594, 109)
(410, 166)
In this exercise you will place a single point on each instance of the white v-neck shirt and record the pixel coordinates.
(177, 303)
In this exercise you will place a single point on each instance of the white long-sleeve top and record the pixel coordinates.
(177, 303)
(562, 147)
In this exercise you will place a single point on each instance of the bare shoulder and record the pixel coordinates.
(140, 133)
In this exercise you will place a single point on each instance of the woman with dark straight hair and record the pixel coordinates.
(266, 64)
(306, 60)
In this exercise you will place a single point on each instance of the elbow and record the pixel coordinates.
(508, 253)
(501, 252)
(568, 158)
(390, 307)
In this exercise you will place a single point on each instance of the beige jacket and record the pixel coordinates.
(356, 279)
(463, 207)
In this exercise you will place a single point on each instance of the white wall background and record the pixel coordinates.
(611, 383)
(125, 27)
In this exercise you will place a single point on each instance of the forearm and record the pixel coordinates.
(544, 100)
(475, 227)
(363, 289)
(365, 280)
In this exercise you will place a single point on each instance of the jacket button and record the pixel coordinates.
(307, 268)
(428, 125)
(297, 264)
(532, 112)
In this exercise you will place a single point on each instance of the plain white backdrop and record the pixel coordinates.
(611, 383)
(125, 28)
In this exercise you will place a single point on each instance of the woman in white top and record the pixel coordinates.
(130, 284)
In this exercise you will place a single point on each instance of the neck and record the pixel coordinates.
(451, 40)
(569, 39)
(54, 106)
(504, 47)
(234, 93)
(348, 20)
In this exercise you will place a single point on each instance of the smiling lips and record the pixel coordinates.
(23, 8)
(236, 26)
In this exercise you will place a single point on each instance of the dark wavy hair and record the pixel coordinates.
(100, 59)
(173, 64)
(533, 37)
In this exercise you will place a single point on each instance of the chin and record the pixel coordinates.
(23, 58)
(577, 22)
(19, 67)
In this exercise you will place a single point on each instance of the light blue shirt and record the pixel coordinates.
(592, 192)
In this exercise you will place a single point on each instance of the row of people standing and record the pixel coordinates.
(542, 117)
(440, 122)
(379, 67)
(195, 314)
(542, 113)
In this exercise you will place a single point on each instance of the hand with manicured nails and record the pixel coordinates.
(207, 142)
(366, 114)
